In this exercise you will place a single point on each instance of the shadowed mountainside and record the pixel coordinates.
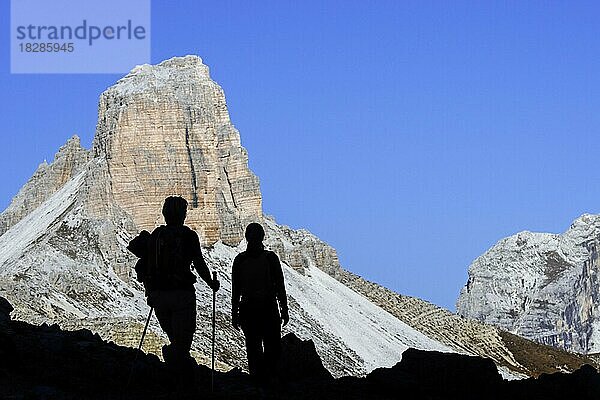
(45, 362)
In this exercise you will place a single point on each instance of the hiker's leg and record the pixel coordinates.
(163, 301)
(252, 333)
(272, 342)
(254, 352)
(163, 310)
(183, 322)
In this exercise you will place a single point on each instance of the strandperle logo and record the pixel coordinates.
(84, 36)
(85, 31)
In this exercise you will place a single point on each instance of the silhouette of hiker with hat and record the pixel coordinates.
(259, 304)
(166, 256)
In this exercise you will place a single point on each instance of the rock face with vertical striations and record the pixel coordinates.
(164, 130)
(541, 286)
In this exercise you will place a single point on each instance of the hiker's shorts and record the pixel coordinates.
(176, 313)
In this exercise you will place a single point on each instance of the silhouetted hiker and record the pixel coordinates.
(166, 256)
(259, 303)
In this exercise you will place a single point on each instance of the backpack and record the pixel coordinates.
(168, 264)
(139, 247)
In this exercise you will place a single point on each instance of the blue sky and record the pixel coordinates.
(411, 135)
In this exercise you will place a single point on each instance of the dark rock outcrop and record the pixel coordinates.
(432, 373)
(300, 361)
(45, 362)
(5, 309)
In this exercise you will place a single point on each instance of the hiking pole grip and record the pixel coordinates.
(212, 376)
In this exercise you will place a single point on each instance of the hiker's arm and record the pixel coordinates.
(200, 265)
(280, 288)
(202, 269)
(235, 293)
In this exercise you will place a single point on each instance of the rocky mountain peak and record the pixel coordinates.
(181, 70)
(165, 130)
(585, 227)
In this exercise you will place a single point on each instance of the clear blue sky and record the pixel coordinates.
(410, 135)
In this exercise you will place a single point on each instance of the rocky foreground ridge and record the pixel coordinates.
(541, 286)
(164, 130)
(47, 362)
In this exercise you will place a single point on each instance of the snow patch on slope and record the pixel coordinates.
(381, 339)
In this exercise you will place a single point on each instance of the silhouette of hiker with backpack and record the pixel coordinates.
(166, 256)
(259, 304)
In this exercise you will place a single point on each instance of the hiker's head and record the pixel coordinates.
(254, 233)
(174, 210)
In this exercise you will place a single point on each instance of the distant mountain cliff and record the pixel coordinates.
(165, 130)
(541, 286)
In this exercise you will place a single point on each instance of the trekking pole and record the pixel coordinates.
(145, 330)
(212, 376)
(139, 349)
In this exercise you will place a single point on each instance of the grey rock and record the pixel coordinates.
(540, 286)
